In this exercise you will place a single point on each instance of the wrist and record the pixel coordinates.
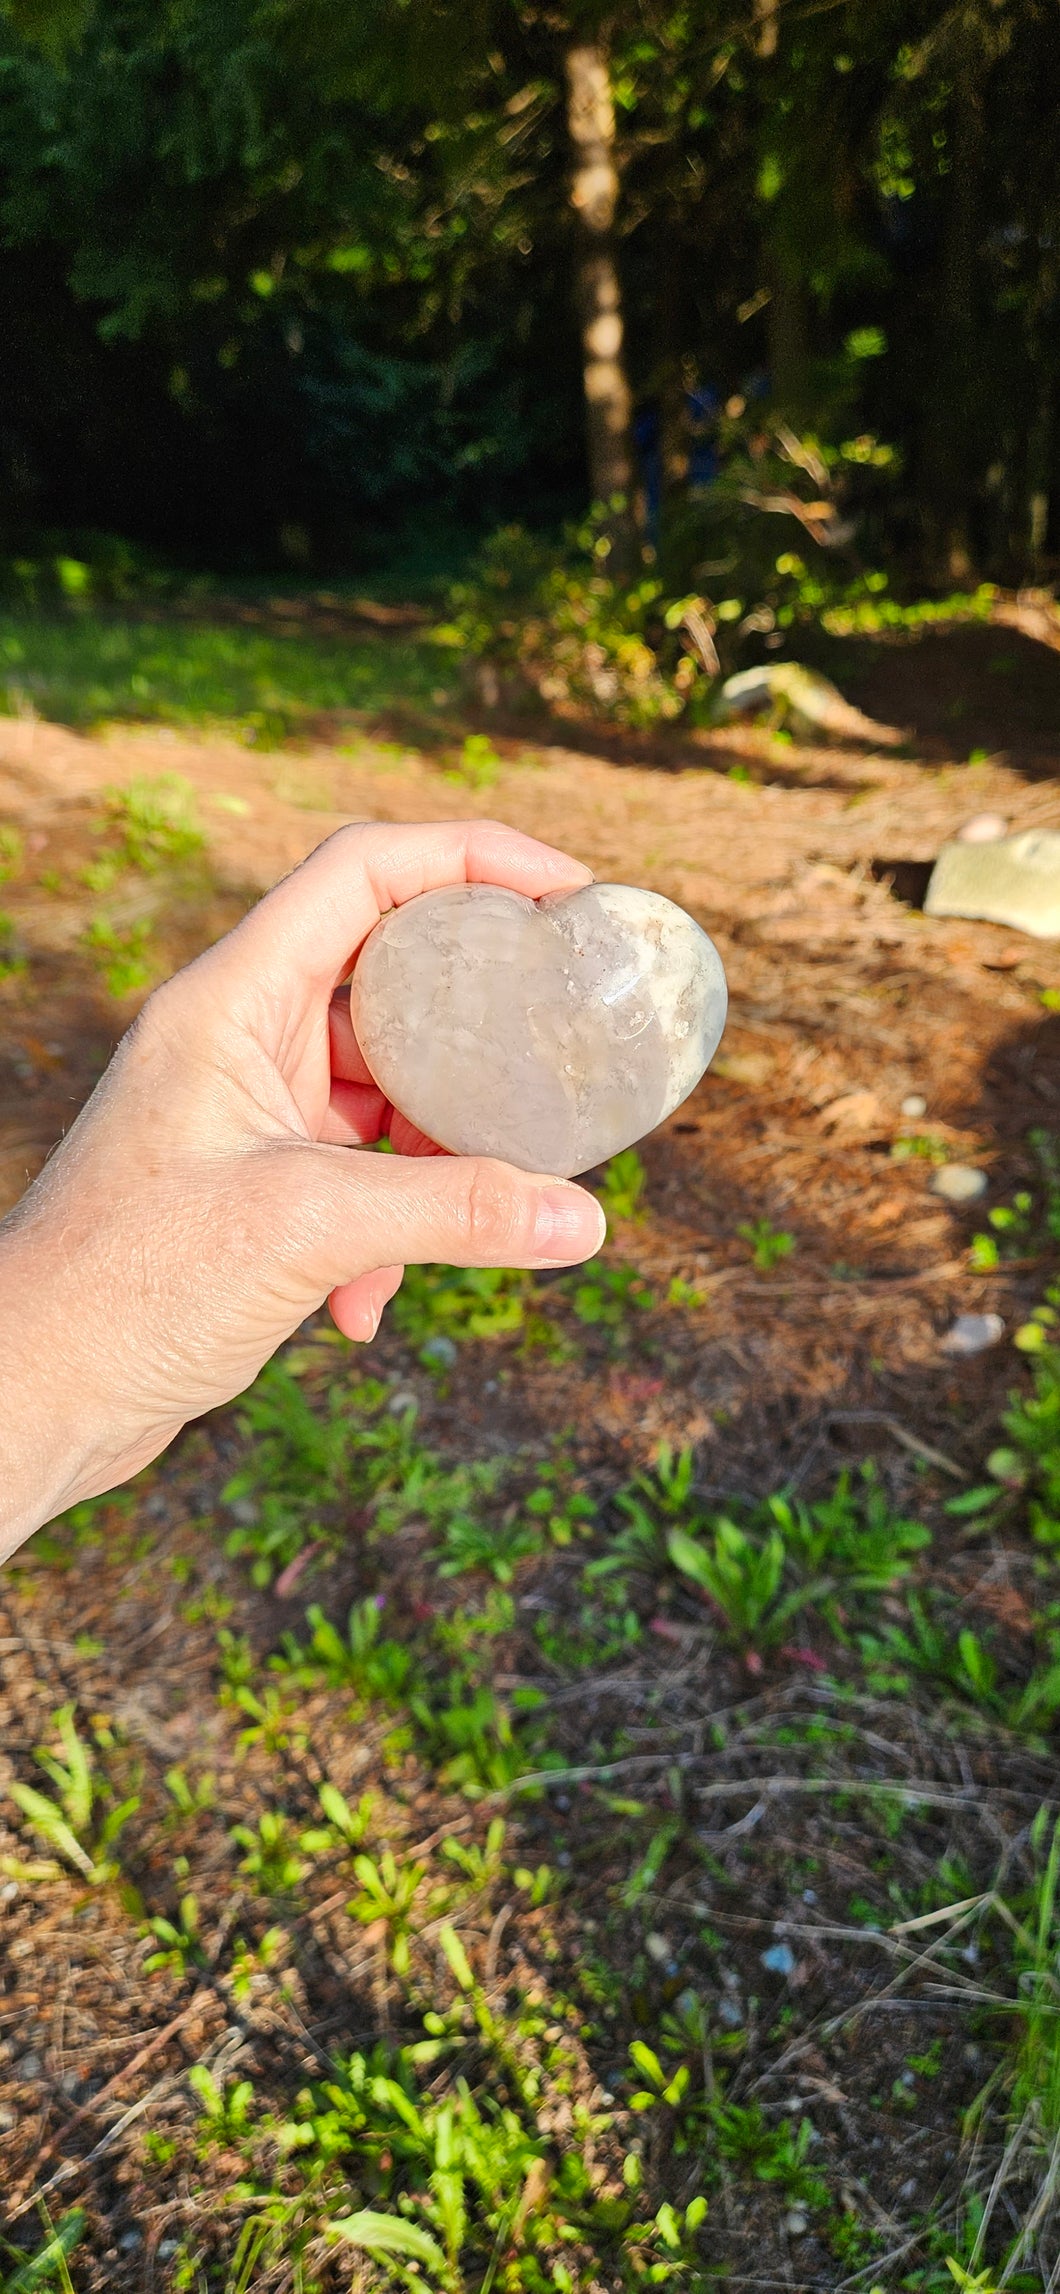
(51, 1453)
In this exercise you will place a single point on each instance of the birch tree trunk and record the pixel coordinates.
(594, 194)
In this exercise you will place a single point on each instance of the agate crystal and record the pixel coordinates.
(550, 1033)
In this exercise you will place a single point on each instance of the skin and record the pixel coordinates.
(207, 1200)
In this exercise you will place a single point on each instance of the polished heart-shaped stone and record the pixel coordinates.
(551, 1033)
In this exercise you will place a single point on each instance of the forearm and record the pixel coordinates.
(42, 1447)
(58, 1438)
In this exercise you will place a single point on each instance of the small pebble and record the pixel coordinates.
(244, 1510)
(130, 2240)
(973, 1333)
(959, 1183)
(731, 2014)
(913, 1104)
(809, 1895)
(9, 1892)
(7, 2119)
(167, 2247)
(796, 2223)
(983, 828)
(779, 1959)
(397, 1405)
(657, 1949)
(29, 2067)
(440, 1350)
(908, 2189)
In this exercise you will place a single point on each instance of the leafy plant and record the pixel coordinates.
(478, 763)
(603, 1296)
(13, 964)
(82, 1822)
(50, 2265)
(460, 1303)
(155, 822)
(374, 1667)
(622, 1185)
(180, 1939)
(311, 1470)
(120, 952)
(388, 1892)
(12, 850)
(768, 1244)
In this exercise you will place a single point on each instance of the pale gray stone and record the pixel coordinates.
(915, 1104)
(959, 1183)
(983, 828)
(973, 1333)
(812, 702)
(549, 1033)
(1013, 880)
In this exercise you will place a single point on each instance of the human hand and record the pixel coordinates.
(206, 1200)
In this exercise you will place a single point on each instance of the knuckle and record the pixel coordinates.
(497, 1218)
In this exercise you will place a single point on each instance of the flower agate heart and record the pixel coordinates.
(551, 1033)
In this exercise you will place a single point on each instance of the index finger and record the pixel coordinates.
(310, 927)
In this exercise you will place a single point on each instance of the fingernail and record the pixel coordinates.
(568, 1225)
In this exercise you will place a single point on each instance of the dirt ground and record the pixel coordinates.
(845, 1000)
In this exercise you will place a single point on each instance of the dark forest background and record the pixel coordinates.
(306, 283)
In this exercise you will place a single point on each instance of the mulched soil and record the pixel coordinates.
(845, 1000)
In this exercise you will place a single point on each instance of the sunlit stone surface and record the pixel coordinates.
(551, 1033)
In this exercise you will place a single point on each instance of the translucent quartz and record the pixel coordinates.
(551, 1033)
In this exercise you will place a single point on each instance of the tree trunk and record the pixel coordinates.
(767, 17)
(954, 412)
(594, 193)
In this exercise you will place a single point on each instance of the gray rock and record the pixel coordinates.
(973, 1333)
(440, 1350)
(959, 1183)
(1014, 880)
(913, 1105)
(796, 2223)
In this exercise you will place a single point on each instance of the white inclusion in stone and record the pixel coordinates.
(548, 1033)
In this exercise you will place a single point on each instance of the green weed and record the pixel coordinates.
(604, 1296)
(154, 823)
(180, 1939)
(12, 851)
(312, 1472)
(920, 1147)
(478, 764)
(784, 1556)
(372, 1666)
(81, 1821)
(460, 1303)
(768, 1244)
(622, 1186)
(120, 952)
(13, 964)
(50, 2265)
(1030, 1223)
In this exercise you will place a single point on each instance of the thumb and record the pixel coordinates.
(350, 1213)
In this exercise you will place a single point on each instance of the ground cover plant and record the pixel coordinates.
(564, 1798)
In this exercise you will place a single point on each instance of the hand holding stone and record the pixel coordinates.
(205, 1200)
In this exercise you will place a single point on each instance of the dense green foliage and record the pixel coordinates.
(281, 280)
